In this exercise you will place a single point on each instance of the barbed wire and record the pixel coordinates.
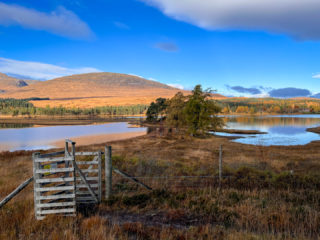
(165, 177)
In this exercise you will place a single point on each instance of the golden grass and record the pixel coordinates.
(98, 102)
(92, 90)
(247, 207)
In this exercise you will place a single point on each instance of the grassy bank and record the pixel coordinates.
(267, 193)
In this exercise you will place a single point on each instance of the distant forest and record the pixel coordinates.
(22, 107)
(269, 105)
(17, 107)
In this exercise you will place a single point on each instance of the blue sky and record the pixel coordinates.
(257, 50)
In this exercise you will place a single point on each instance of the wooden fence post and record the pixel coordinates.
(220, 166)
(99, 177)
(16, 191)
(36, 185)
(108, 171)
(74, 170)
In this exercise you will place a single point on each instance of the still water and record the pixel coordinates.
(280, 129)
(31, 137)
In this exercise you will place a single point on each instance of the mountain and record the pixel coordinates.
(10, 83)
(92, 89)
(88, 90)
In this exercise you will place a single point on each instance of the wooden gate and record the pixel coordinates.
(91, 168)
(54, 184)
(64, 179)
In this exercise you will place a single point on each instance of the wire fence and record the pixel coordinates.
(170, 182)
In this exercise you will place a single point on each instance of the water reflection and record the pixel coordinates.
(288, 130)
(281, 129)
(44, 137)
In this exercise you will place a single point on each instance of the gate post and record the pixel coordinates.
(108, 171)
(36, 185)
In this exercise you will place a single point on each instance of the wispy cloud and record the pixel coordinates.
(136, 75)
(292, 17)
(316, 76)
(176, 85)
(241, 89)
(121, 25)
(60, 22)
(316, 95)
(167, 46)
(290, 92)
(37, 70)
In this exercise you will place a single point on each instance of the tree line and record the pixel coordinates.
(269, 105)
(17, 107)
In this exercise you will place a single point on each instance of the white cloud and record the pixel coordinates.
(135, 75)
(37, 70)
(316, 76)
(297, 18)
(139, 76)
(176, 85)
(61, 22)
(262, 95)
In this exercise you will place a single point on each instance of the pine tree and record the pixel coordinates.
(200, 112)
(175, 111)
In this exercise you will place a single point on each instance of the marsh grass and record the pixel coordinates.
(259, 199)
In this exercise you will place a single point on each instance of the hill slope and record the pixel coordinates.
(93, 89)
(10, 83)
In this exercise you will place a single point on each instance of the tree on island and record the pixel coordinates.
(155, 109)
(175, 115)
(201, 112)
(195, 113)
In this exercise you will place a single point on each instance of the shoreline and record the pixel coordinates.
(314, 129)
(90, 140)
(241, 131)
(65, 120)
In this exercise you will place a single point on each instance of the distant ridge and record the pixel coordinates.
(89, 90)
(112, 79)
(10, 83)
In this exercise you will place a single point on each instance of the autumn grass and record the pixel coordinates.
(267, 193)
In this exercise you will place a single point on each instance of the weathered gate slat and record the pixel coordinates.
(62, 196)
(87, 162)
(54, 170)
(88, 179)
(58, 204)
(55, 180)
(46, 189)
(60, 159)
(87, 153)
(85, 186)
(86, 192)
(89, 170)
